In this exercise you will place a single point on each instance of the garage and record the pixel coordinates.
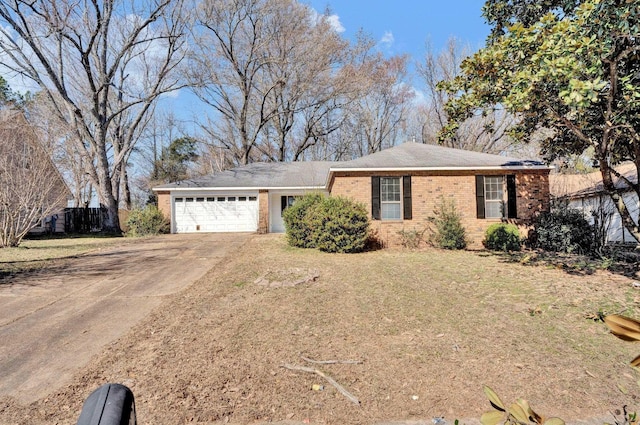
(215, 213)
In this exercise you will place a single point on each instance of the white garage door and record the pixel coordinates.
(216, 214)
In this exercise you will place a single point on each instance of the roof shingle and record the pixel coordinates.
(314, 174)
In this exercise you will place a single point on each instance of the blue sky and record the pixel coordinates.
(404, 26)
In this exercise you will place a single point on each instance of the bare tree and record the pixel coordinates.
(272, 73)
(30, 186)
(97, 61)
(226, 63)
(309, 58)
(376, 118)
(480, 133)
(56, 137)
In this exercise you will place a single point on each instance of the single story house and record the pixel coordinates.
(586, 192)
(400, 188)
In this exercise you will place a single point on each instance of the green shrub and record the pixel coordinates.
(298, 224)
(562, 230)
(342, 225)
(147, 221)
(332, 224)
(502, 237)
(449, 232)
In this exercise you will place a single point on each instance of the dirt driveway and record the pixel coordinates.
(53, 321)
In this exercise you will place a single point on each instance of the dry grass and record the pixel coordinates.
(431, 327)
(38, 253)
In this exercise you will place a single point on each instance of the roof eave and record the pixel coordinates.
(479, 168)
(231, 189)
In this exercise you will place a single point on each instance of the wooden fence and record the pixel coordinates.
(83, 220)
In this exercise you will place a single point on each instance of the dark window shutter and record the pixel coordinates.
(480, 196)
(406, 197)
(375, 197)
(283, 204)
(512, 204)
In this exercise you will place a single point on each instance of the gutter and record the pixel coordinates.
(235, 189)
(485, 168)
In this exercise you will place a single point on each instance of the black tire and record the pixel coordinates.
(110, 404)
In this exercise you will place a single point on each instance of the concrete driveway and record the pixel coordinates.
(52, 322)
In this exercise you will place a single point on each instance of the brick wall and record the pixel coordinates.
(164, 203)
(426, 188)
(263, 212)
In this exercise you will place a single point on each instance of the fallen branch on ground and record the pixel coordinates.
(329, 379)
(331, 361)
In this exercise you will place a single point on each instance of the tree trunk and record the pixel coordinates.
(618, 200)
(111, 223)
(126, 190)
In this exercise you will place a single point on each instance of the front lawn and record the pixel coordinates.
(430, 327)
(37, 253)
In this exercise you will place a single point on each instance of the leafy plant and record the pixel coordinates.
(502, 237)
(298, 224)
(333, 224)
(341, 225)
(519, 413)
(449, 232)
(147, 221)
(571, 73)
(627, 329)
(628, 418)
(562, 230)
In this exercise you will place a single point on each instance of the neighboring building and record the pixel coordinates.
(400, 187)
(32, 184)
(53, 223)
(586, 193)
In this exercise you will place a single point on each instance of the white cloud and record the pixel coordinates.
(334, 21)
(387, 40)
(419, 97)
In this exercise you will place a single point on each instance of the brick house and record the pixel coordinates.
(400, 188)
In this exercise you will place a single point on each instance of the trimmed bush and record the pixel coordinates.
(449, 232)
(333, 224)
(147, 221)
(298, 224)
(562, 230)
(342, 225)
(502, 237)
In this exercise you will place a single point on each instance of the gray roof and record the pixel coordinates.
(421, 156)
(314, 174)
(262, 175)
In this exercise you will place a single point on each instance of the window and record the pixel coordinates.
(493, 197)
(242, 198)
(253, 198)
(189, 200)
(391, 198)
(211, 199)
(178, 199)
(286, 202)
(199, 199)
(231, 199)
(220, 198)
(496, 196)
